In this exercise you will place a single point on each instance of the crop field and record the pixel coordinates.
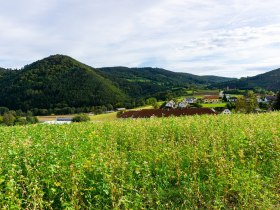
(199, 162)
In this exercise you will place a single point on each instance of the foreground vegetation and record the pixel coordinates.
(199, 162)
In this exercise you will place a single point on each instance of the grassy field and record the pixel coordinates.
(96, 118)
(214, 105)
(199, 162)
(104, 117)
(112, 116)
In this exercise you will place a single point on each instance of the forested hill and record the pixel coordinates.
(60, 81)
(57, 81)
(269, 80)
(147, 81)
(216, 79)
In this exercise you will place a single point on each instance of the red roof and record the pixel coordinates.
(147, 113)
(211, 97)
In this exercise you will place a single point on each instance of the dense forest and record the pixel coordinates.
(59, 82)
(150, 81)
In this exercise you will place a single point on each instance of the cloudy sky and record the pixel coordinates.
(207, 37)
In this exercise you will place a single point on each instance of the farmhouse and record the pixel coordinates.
(226, 111)
(170, 104)
(262, 100)
(190, 100)
(211, 99)
(148, 113)
(182, 104)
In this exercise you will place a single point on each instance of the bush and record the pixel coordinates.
(32, 120)
(8, 119)
(81, 118)
(20, 121)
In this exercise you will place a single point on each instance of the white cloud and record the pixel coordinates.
(229, 38)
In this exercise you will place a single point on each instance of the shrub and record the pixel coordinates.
(81, 118)
(32, 120)
(8, 119)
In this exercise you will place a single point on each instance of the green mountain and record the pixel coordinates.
(148, 81)
(57, 81)
(269, 81)
(60, 81)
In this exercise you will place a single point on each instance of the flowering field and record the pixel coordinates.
(200, 162)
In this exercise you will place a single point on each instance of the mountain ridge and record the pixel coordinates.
(61, 81)
(269, 80)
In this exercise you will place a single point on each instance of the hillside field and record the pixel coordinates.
(198, 162)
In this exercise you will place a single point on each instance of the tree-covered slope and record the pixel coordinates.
(57, 81)
(143, 81)
(269, 80)
(216, 79)
(2, 71)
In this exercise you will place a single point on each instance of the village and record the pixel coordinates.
(208, 104)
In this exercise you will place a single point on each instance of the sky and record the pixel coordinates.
(232, 38)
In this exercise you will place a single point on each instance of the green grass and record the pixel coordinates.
(104, 117)
(214, 105)
(207, 92)
(113, 116)
(199, 162)
(145, 107)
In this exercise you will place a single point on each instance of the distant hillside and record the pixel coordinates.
(57, 81)
(269, 80)
(216, 79)
(148, 81)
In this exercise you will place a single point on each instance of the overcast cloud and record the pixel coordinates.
(227, 38)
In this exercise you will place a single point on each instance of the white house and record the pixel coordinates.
(226, 111)
(170, 104)
(262, 100)
(182, 104)
(190, 100)
(221, 94)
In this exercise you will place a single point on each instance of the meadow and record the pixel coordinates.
(198, 162)
(215, 105)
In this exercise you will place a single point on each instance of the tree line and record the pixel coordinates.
(10, 118)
